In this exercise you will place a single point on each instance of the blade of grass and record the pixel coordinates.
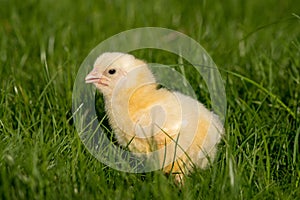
(264, 90)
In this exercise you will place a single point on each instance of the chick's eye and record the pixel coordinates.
(111, 71)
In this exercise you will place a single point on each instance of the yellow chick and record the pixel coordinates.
(147, 119)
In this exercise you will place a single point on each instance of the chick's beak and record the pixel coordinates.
(93, 77)
(97, 78)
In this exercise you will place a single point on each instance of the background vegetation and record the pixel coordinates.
(256, 45)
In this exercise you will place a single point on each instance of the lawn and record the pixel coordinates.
(255, 44)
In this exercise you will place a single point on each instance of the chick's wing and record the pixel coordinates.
(155, 113)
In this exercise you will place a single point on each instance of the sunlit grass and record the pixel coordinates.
(255, 44)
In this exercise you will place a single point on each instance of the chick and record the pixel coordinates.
(147, 118)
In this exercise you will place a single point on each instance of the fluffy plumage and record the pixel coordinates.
(150, 119)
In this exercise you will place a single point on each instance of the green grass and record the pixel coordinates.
(256, 45)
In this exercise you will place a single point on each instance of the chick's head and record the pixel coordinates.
(118, 70)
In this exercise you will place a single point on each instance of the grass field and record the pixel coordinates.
(256, 45)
